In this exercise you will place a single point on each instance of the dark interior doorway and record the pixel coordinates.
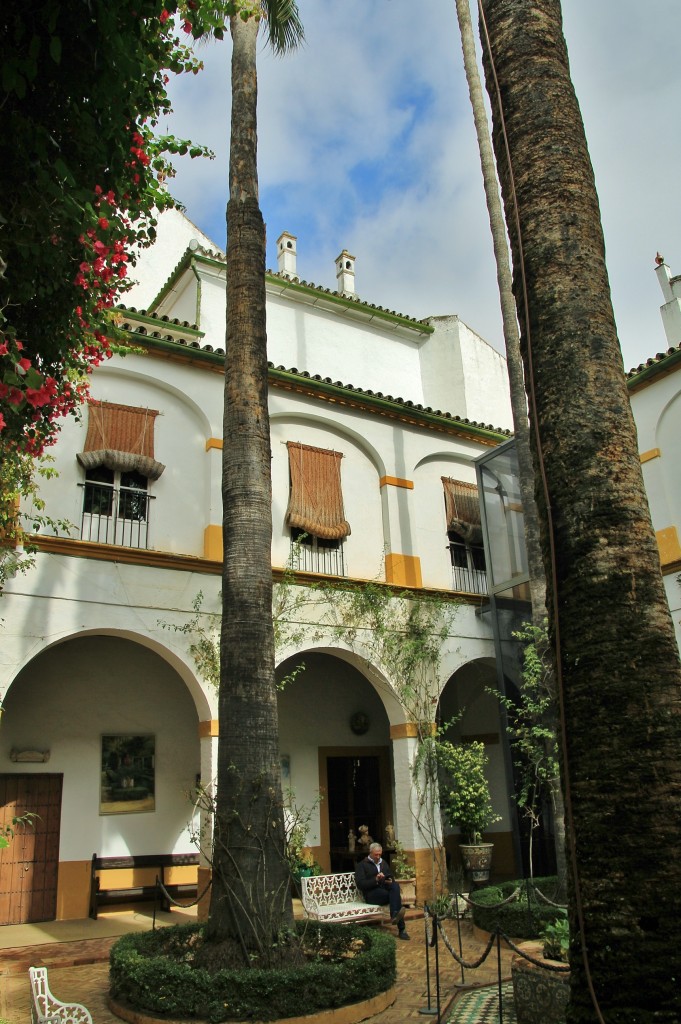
(354, 799)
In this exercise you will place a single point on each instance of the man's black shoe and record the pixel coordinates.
(403, 935)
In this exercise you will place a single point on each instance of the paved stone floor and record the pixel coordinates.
(78, 972)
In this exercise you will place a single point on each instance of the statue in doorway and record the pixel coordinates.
(351, 841)
(389, 836)
(364, 837)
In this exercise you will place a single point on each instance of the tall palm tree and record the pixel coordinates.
(250, 901)
(516, 376)
(619, 672)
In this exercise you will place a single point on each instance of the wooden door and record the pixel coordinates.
(28, 867)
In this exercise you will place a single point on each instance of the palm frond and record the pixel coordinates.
(284, 27)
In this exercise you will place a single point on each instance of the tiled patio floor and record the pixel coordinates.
(77, 958)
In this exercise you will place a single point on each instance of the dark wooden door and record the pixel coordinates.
(28, 866)
(354, 799)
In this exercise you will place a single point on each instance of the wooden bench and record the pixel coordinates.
(337, 898)
(46, 1009)
(139, 880)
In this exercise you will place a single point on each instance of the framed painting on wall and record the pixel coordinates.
(128, 774)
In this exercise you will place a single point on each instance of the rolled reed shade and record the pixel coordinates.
(316, 500)
(121, 438)
(462, 509)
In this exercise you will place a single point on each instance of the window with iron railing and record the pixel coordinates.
(315, 554)
(469, 572)
(116, 508)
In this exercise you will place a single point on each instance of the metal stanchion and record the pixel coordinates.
(463, 983)
(437, 968)
(501, 1005)
(427, 1009)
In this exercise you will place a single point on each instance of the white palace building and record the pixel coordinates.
(377, 420)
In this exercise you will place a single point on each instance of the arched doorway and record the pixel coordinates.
(71, 704)
(334, 736)
(470, 711)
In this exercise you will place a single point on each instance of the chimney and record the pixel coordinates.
(345, 273)
(286, 255)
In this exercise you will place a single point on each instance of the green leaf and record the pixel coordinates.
(55, 49)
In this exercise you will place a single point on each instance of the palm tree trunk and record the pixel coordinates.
(516, 376)
(619, 674)
(250, 900)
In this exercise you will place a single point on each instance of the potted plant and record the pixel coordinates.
(403, 872)
(466, 803)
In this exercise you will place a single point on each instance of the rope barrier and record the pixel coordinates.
(182, 906)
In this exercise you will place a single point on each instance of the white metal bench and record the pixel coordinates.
(337, 898)
(45, 1009)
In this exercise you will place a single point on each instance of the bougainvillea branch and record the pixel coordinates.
(82, 89)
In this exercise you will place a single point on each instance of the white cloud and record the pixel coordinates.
(366, 143)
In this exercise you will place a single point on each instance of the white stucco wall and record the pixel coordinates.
(71, 695)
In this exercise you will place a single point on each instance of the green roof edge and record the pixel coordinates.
(382, 404)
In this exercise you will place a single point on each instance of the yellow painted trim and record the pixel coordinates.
(654, 453)
(668, 545)
(214, 442)
(408, 730)
(212, 542)
(209, 728)
(403, 731)
(395, 481)
(73, 890)
(404, 570)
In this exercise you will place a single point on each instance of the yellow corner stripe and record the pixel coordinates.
(395, 481)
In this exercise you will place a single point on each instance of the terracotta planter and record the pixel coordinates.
(541, 996)
(477, 860)
(407, 890)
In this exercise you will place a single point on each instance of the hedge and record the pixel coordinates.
(522, 919)
(152, 972)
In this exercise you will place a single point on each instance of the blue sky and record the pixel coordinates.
(366, 143)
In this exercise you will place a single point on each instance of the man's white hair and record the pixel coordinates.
(375, 846)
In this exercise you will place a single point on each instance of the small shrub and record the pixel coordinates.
(525, 917)
(555, 937)
(153, 971)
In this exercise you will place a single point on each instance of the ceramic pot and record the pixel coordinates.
(477, 860)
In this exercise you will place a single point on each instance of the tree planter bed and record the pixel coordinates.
(152, 977)
(540, 995)
(351, 1014)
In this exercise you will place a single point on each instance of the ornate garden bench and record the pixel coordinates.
(337, 898)
(45, 1009)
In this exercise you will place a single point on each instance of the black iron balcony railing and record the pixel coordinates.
(115, 515)
(310, 554)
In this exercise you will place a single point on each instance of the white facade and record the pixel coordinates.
(90, 644)
(655, 391)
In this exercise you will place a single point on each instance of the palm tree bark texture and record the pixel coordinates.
(516, 380)
(619, 673)
(250, 899)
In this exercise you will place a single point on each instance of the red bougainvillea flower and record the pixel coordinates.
(2, 421)
(164, 16)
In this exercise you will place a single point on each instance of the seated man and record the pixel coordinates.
(378, 886)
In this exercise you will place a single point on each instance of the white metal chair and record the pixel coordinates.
(45, 1009)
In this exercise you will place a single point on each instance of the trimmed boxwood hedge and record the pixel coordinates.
(522, 919)
(151, 972)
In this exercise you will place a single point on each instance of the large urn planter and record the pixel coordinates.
(541, 995)
(407, 890)
(477, 860)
